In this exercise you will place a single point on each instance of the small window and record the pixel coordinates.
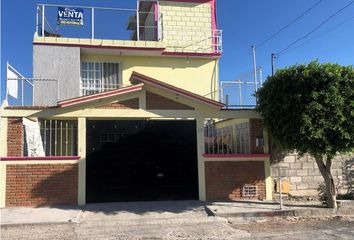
(249, 191)
(99, 77)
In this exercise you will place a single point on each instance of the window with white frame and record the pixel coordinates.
(99, 77)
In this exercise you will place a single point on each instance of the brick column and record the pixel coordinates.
(14, 136)
(256, 131)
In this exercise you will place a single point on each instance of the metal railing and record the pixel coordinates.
(32, 92)
(240, 93)
(193, 39)
(142, 26)
(217, 41)
(221, 138)
(46, 19)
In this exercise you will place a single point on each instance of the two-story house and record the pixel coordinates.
(131, 120)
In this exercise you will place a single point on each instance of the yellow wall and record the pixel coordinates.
(198, 75)
(186, 26)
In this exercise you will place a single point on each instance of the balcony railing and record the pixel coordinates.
(32, 92)
(140, 24)
(96, 23)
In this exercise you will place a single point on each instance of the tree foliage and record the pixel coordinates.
(310, 108)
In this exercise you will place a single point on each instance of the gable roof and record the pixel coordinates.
(138, 81)
(137, 78)
(101, 95)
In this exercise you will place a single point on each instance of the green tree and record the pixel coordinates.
(310, 108)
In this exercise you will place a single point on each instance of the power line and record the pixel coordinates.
(319, 35)
(312, 31)
(289, 24)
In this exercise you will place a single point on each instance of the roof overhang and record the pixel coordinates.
(99, 96)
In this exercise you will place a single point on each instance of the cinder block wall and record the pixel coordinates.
(186, 26)
(224, 179)
(304, 175)
(41, 184)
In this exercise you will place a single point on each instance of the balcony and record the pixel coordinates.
(149, 25)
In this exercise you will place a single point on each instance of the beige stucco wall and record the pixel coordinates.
(198, 75)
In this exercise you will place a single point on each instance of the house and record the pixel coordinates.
(130, 120)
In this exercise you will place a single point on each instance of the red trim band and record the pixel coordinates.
(191, 54)
(40, 158)
(236, 155)
(191, 1)
(100, 46)
(162, 50)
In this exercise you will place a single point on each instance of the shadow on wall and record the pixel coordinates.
(348, 173)
(277, 153)
(53, 185)
(348, 178)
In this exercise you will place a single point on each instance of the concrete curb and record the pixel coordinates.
(288, 212)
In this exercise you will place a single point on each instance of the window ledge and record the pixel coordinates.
(236, 155)
(24, 158)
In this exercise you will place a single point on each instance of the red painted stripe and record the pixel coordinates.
(40, 158)
(162, 50)
(101, 95)
(100, 46)
(191, 54)
(96, 94)
(235, 155)
(191, 1)
(152, 81)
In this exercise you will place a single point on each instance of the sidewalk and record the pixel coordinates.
(26, 215)
(169, 212)
(248, 210)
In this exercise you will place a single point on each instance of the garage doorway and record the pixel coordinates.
(141, 160)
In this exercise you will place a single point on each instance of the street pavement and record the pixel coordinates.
(178, 220)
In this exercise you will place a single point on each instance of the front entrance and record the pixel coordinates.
(141, 160)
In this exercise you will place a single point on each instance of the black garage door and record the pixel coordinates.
(141, 161)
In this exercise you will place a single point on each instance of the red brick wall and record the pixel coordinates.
(225, 179)
(256, 131)
(14, 137)
(127, 104)
(41, 184)
(155, 101)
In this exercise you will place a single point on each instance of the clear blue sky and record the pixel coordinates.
(243, 23)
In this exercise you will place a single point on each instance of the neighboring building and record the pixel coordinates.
(131, 120)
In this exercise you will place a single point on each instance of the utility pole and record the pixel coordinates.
(254, 66)
(272, 61)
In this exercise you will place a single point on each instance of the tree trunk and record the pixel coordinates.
(325, 170)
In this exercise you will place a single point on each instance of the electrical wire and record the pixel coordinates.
(289, 24)
(312, 31)
(321, 34)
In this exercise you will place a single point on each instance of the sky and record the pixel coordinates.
(244, 23)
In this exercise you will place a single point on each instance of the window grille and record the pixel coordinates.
(249, 191)
(232, 139)
(99, 77)
(51, 138)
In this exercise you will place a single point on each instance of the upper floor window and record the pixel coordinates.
(99, 77)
